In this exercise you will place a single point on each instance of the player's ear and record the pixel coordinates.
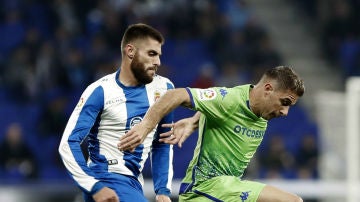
(268, 87)
(130, 51)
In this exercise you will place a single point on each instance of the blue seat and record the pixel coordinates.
(184, 58)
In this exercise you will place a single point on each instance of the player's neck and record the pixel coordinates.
(252, 99)
(126, 77)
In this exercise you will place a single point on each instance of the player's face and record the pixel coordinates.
(277, 104)
(146, 60)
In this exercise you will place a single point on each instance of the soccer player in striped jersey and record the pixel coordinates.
(232, 125)
(107, 109)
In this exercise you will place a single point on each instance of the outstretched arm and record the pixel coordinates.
(167, 103)
(180, 130)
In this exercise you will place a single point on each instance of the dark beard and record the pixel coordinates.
(138, 69)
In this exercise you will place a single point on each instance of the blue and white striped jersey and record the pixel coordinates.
(106, 111)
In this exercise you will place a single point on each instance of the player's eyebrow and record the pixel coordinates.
(153, 52)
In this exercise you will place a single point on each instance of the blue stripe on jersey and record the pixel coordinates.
(88, 116)
(93, 141)
(169, 86)
(136, 109)
(99, 162)
(160, 156)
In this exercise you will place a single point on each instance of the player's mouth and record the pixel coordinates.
(152, 70)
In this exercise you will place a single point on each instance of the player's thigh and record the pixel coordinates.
(193, 197)
(273, 194)
(127, 188)
(224, 188)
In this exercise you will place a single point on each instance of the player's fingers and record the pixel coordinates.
(124, 139)
(124, 143)
(167, 125)
(181, 141)
(127, 147)
(164, 140)
(127, 135)
(173, 139)
(166, 134)
(169, 140)
(128, 144)
(131, 146)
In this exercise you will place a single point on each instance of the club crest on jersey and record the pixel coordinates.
(206, 94)
(134, 121)
(156, 95)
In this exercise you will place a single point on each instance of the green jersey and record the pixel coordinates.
(229, 133)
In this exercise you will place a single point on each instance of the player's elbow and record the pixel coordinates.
(297, 199)
(61, 149)
(181, 96)
(292, 198)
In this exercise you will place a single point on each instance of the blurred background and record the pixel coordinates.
(50, 50)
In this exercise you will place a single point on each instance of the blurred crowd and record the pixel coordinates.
(338, 22)
(51, 49)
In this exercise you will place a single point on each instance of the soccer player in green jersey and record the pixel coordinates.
(232, 125)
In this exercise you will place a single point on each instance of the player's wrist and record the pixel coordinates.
(163, 191)
(148, 125)
(97, 187)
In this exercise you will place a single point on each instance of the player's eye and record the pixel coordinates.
(285, 102)
(153, 53)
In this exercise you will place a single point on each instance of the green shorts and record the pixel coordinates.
(224, 188)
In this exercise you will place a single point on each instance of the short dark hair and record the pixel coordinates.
(140, 31)
(287, 79)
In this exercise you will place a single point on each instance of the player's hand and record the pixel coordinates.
(106, 195)
(179, 132)
(132, 138)
(162, 198)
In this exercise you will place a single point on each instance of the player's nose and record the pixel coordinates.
(157, 61)
(284, 111)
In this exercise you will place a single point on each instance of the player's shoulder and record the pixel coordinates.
(158, 79)
(107, 78)
(161, 78)
(226, 89)
(244, 88)
(101, 81)
(232, 92)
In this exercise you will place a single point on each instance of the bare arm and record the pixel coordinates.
(168, 102)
